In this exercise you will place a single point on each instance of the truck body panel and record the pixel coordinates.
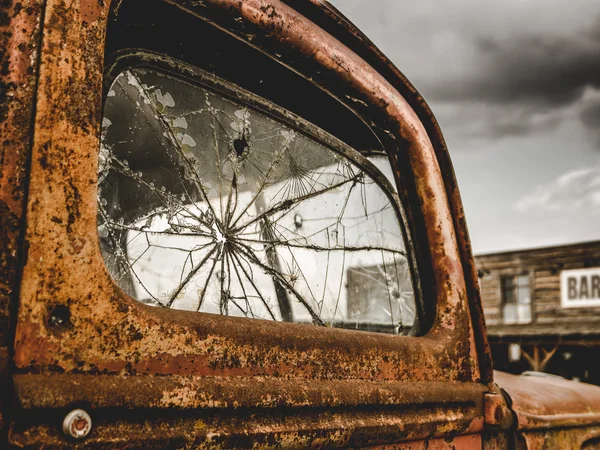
(160, 378)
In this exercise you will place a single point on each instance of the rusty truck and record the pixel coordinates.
(235, 224)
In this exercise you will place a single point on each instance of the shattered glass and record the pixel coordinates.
(207, 204)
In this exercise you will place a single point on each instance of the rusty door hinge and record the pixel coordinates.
(496, 410)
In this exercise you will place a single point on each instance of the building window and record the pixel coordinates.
(516, 299)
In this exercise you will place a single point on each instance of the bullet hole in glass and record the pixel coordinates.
(298, 221)
(240, 145)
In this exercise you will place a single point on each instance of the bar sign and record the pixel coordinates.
(580, 288)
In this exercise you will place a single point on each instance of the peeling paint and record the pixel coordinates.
(157, 378)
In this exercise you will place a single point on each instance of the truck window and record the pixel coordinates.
(214, 200)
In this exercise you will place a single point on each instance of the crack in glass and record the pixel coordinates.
(206, 204)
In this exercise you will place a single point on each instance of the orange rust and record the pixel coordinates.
(496, 412)
(467, 442)
(156, 378)
(70, 139)
(91, 10)
(190, 393)
(575, 438)
(132, 338)
(20, 24)
(19, 43)
(544, 402)
(297, 430)
(109, 333)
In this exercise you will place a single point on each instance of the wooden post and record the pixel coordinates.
(537, 363)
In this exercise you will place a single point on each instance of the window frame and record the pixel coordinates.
(142, 59)
(515, 288)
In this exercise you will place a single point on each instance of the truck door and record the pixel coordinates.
(239, 234)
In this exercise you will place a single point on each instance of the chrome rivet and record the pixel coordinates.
(77, 424)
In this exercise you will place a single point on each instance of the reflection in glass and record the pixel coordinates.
(208, 205)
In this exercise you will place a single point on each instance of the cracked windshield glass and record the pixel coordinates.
(206, 204)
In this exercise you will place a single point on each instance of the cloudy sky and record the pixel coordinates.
(515, 86)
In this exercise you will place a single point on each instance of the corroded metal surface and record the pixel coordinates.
(548, 402)
(19, 40)
(63, 240)
(240, 412)
(281, 431)
(191, 393)
(552, 412)
(20, 24)
(466, 442)
(106, 332)
(231, 382)
(496, 411)
(559, 438)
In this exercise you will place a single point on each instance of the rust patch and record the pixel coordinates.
(468, 442)
(191, 393)
(20, 25)
(91, 10)
(543, 402)
(560, 438)
(162, 342)
(109, 334)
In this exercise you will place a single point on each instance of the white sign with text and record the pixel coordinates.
(580, 288)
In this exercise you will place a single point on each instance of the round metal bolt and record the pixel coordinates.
(77, 424)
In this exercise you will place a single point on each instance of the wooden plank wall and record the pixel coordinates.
(543, 266)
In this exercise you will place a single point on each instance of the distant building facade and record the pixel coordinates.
(542, 309)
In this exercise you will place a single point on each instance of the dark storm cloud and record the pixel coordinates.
(472, 122)
(540, 69)
(590, 117)
(493, 69)
(530, 83)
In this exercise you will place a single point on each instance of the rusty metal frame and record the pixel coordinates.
(20, 37)
(19, 51)
(346, 32)
(112, 348)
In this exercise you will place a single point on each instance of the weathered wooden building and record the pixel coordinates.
(542, 309)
